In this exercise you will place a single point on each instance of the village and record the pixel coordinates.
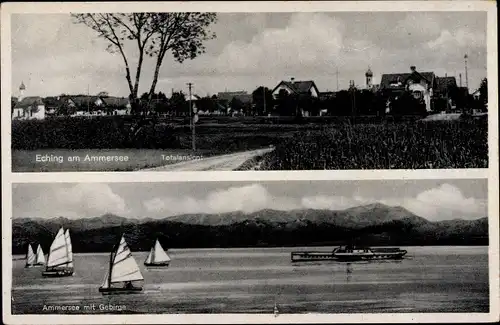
(404, 93)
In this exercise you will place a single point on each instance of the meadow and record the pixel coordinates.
(301, 144)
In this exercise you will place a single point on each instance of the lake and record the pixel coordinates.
(252, 280)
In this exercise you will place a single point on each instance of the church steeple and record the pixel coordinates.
(369, 77)
(22, 87)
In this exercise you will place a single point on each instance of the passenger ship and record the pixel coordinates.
(350, 253)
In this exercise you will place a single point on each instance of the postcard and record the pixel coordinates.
(250, 162)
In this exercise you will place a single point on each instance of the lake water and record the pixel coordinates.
(251, 280)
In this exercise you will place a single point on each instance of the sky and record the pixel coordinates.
(431, 199)
(52, 55)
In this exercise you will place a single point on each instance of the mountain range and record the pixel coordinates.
(374, 224)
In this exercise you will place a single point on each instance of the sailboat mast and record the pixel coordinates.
(153, 252)
(111, 257)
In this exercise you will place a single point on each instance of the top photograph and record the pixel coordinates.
(200, 91)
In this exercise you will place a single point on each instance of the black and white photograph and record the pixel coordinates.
(271, 247)
(221, 91)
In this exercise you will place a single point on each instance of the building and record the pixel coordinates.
(28, 108)
(226, 99)
(301, 89)
(369, 78)
(420, 84)
(304, 88)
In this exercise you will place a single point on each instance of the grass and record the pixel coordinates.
(420, 145)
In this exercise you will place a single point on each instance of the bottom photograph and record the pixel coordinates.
(270, 247)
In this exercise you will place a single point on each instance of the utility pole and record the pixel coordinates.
(466, 75)
(88, 99)
(190, 108)
(337, 74)
(191, 118)
(264, 91)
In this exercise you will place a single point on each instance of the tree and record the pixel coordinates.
(262, 98)
(206, 104)
(178, 103)
(154, 34)
(182, 34)
(236, 105)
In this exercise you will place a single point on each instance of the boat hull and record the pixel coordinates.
(153, 265)
(33, 265)
(58, 273)
(347, 257)
(118, 291)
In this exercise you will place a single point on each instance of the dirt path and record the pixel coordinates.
(219, 163)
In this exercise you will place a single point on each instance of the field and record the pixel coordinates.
(417, 145)
(306, 144)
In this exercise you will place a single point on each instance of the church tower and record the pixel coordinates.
(22, 88)
(369, 77)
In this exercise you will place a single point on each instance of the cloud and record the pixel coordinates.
(77, 201)
(441, 203)
(446, 202)
(250, 198)
(460, 38)
(313, 41)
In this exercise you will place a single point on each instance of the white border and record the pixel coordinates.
(491, 173)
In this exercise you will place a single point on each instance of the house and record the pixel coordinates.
(29, 108)
(307, 88)
(420, 84)
(227, 98)
(116, 105)
(300, 89)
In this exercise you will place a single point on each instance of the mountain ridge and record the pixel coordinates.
(372, 224)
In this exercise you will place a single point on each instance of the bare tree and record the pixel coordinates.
(154, 34)
(118, 27)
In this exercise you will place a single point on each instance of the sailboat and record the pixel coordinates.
(276, 310)
(60, 260)
(157, 256)
(123, 272)
(40, 256)
(32, 259)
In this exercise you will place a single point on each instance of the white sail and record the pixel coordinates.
(58, 254)
(149, 259)
(69, 248)
(124, 266)
(160, 255)
(40, 255)
(30, 256)
(105, 283)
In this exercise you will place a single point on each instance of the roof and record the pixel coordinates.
(240, 95)
(192, 98)
(299, 87)
(115, 101)
(443, 83)
(29, 102)
(22, 86)
(388, 79)
(369, 73)
(83, 100)
(52, 101)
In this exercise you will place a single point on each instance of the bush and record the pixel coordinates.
(88, 133)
